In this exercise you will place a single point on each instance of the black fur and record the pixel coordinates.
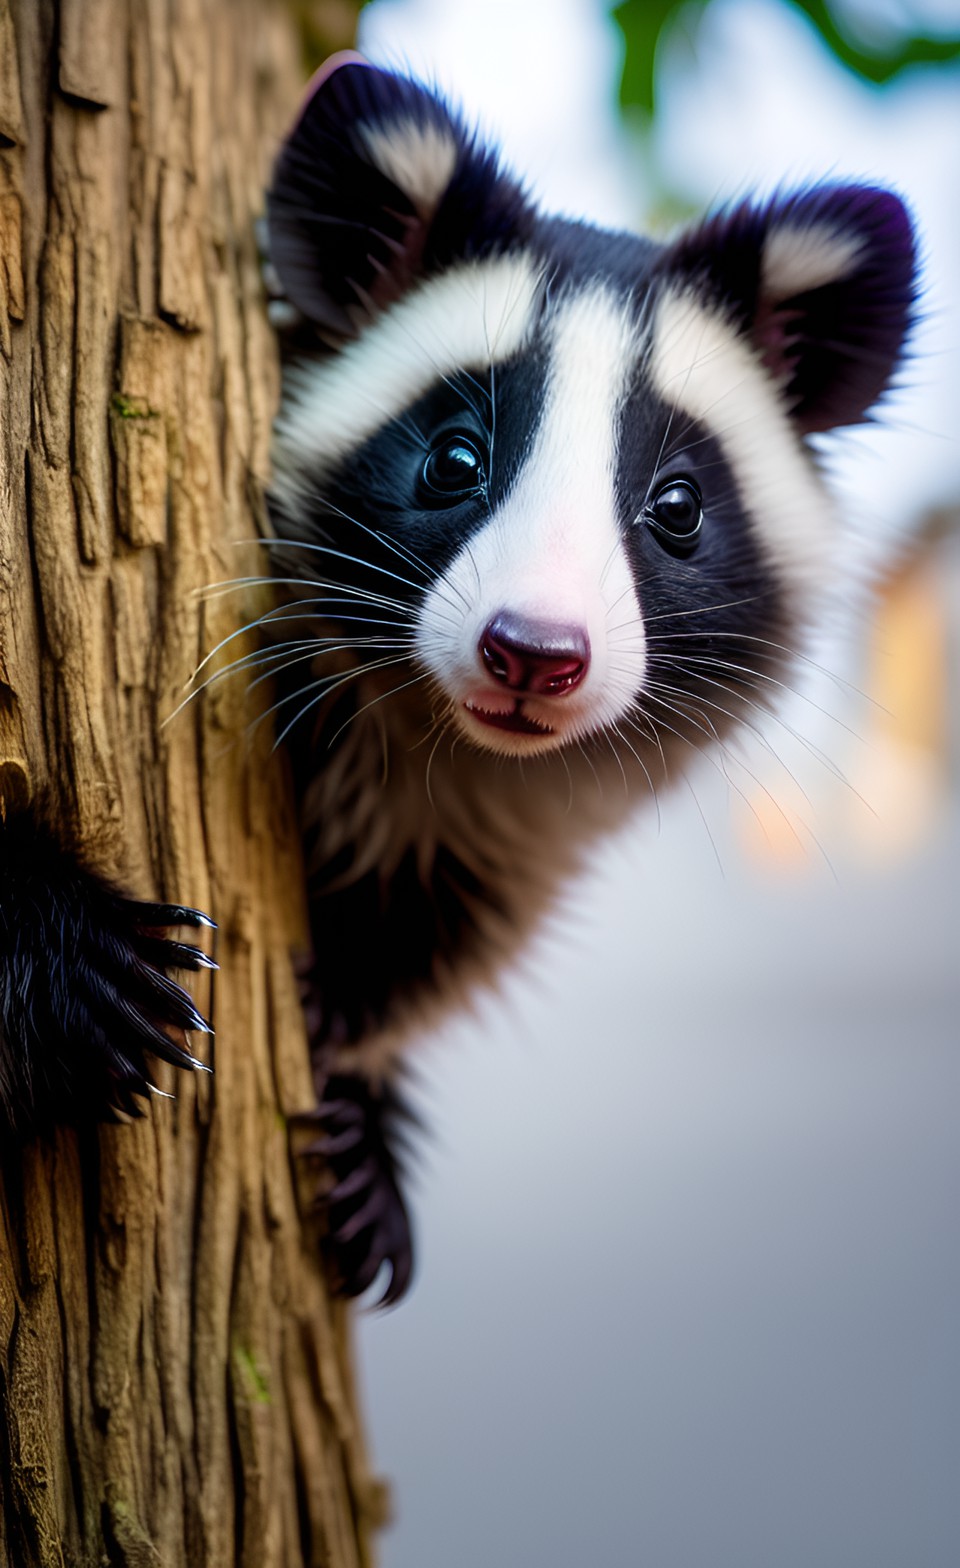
(85, 995)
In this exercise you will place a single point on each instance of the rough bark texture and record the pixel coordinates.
(175, 1387)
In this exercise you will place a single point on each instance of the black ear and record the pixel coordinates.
(380, 184)
(824, 283)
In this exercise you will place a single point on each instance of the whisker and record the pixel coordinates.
(794, 654)
(323, 688)
(313, 653)
(708, 729)
(312, 647)
(429, 791)
(279, 614)
(706, 609)
(402, 551)
(681, 661)
(706, 826)
(646, 772)
(583, 752)
(563, 758)
(374, 700)
(717, 764)
(353, 560)
(754, 730)
(619, 761)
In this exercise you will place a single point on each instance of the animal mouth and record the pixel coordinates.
(515, 720)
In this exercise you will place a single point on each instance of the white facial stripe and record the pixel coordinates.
(552, 538)
(796, 259)
(471, 316)
(702, 366)
(420, 159)
(553, 550)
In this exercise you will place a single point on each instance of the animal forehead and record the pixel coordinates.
(477, 316)
(472, 316)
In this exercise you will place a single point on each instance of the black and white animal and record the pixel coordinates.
(547, 515)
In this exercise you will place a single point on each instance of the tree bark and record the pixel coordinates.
(175, 1386)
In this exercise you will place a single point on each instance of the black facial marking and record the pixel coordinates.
(411, 495)
(714, 616)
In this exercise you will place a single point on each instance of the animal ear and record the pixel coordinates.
(824, 283)
(380, 184)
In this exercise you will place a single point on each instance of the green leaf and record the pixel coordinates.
(641, 23)
(881, 62)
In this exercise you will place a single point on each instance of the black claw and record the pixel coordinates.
(339, 1143)
(158, 952)
(85, 998)
(356, 1182)
(342, 1111)
(362, 1279)
(367, 1226)
(159, 916)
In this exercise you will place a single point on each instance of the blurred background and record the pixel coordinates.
(689, 1285)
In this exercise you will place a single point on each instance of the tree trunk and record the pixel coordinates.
(175, 1387)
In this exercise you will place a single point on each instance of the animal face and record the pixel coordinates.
(563, 474)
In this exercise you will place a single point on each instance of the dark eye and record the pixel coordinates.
(452, 471)
(675, 516)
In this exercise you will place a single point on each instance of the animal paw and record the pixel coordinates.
(86, 998)
(367, 1224)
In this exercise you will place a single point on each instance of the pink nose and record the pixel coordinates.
(540, 657)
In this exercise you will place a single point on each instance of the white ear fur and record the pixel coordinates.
(796, 259)
(418, 157)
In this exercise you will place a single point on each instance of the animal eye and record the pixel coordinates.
(452, 471)
(675, 516)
